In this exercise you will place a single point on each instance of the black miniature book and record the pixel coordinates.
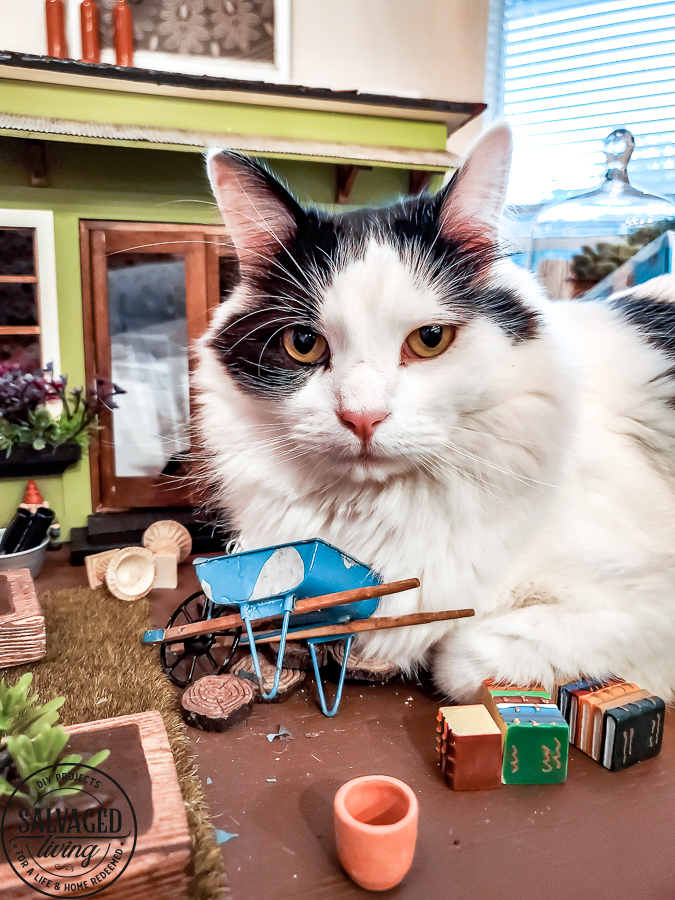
(632, 732)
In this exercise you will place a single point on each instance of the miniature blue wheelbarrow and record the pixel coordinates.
(317, 592)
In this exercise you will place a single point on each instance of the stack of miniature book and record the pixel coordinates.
(521, 735)
(613, 721)
(516, 736)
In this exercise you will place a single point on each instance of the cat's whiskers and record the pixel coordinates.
(266, 344)
(272, 444)
(284, 322)
(521, 478)
(262, 220)
(200, 241)
(475, 482)
(295, 318)
(496, 436)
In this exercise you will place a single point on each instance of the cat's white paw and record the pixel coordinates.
(480, 650)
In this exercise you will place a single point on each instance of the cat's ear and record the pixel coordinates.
(257, 211)
(474, 199)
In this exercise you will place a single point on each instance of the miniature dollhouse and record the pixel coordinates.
(102, 178)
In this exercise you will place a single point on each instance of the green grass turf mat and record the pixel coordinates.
(95, 659)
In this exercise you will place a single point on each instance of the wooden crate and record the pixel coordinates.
(160, 863)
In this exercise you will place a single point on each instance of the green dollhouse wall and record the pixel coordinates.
(131, 184)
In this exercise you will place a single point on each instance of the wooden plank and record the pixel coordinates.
(18, 279)
(101, 365)
(163, 852)
(345, 176)
(90, 363)
(19, 329)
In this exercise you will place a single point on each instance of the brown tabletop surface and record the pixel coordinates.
(600, 835)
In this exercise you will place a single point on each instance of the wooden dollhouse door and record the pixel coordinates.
(148, 289)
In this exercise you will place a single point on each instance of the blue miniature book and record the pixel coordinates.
(538, 714)
(568, 698)
(535, 736)
(564, 693)
(632, 733)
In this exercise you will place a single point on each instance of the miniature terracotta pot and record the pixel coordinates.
(375, 830)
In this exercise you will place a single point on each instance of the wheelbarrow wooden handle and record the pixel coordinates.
(309, 604)
(375, 623)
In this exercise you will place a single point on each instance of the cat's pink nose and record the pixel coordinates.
(362, 424)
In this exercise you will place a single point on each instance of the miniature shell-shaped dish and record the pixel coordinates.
(169, 537)
(130, 573)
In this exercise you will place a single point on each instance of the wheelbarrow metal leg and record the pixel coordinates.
(317, 674)
(289, 603)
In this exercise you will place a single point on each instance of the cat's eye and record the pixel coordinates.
(304, 345)
(428, 341)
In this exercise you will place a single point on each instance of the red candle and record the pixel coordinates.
(124, 34)
(55, 15)
(91, 46)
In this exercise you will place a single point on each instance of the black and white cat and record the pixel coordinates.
(386, 380)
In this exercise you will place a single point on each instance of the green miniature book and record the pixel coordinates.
(535, 736)
(535, 751)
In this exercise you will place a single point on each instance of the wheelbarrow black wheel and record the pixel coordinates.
(206, 654)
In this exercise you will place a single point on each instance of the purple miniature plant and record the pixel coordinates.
(25, 416)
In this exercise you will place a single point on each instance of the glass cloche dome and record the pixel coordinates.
(578, 241)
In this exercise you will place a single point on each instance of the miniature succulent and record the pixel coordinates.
(25, 416)
(594, 264)
(31, 740)
(648, 233)
(18, 713)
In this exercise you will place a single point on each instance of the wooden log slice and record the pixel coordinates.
(362, 669)
(297, 655)
(289, 682)
(216, 702)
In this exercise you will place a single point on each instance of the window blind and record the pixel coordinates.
(568, 74)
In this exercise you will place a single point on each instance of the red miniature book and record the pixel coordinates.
(567, 698)
(470, 748)
(588, 702)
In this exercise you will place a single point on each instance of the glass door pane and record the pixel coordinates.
(147, 315)
(145, 289)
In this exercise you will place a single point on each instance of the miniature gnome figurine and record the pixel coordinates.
(32, 499)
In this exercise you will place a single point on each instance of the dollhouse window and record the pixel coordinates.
(565, 74)
(28, 313)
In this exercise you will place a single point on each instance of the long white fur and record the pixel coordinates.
(533, 481)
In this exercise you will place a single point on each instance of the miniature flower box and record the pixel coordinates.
(141, 762)
(23, 461)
